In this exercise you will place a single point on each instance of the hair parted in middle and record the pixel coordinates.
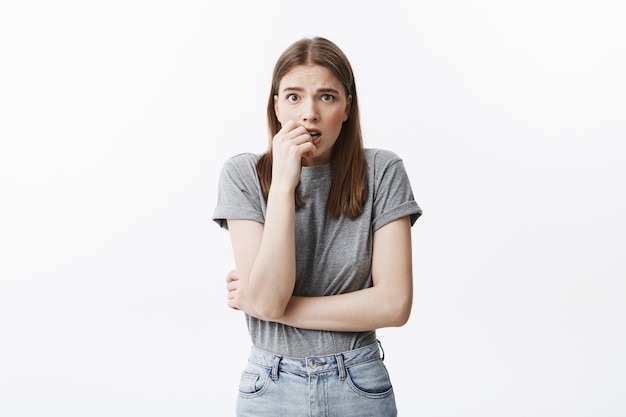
(348, 190)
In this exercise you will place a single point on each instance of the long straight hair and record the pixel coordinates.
(348, 190)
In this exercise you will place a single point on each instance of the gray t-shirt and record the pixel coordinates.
(333, 256)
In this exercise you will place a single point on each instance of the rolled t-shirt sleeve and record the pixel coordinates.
(393, 195)
(239, 193)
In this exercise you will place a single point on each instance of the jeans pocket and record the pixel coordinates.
(370, 379)
(255, 380)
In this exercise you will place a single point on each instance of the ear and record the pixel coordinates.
(276, 112)
(348, 108)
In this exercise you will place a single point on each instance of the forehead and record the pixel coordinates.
(309, 76)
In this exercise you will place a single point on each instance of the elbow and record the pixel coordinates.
(399, 319)
(267, 304)
(399, 313)
(271, 314)
(270, 311)
(402, 318)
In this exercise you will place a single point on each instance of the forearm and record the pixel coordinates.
(367, 309)
(272, 277)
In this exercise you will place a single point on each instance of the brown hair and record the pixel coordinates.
(348, 190)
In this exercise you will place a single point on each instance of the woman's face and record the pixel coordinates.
(313, 97)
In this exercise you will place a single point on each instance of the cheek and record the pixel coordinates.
(338, 121)
(283, 113)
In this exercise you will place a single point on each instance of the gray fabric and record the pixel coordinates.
(332, 256)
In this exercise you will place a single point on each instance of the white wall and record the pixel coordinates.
(115, 118)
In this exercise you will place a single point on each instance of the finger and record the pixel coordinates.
(298, 131)
(293, 129)
(231, 276)
(309, 150)
(288, 127)
(303, 138)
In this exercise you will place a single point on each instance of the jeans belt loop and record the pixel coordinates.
(341, 367)
(277, 359)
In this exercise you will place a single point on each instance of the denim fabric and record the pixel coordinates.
(353, 383)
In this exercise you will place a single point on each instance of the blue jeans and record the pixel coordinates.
(353, 383)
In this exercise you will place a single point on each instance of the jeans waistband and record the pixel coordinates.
(315, 364)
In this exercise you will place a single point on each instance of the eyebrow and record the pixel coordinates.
(319, 90)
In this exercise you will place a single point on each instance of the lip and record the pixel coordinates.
(316, 136)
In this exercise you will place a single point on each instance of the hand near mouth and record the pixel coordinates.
(289, 146)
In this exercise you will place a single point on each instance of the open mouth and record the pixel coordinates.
(315, 136)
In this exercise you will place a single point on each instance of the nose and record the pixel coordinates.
(309, 111)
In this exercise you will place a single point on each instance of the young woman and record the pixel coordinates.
(321, 233)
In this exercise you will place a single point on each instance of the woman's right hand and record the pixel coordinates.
(289, 145)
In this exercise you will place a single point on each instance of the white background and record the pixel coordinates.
(115, 118)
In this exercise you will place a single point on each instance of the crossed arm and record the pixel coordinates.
(263, 282)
